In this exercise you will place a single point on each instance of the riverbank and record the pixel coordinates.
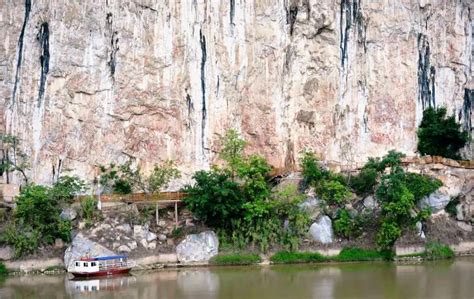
(54, 266)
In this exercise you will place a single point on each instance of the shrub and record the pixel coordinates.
(451, 207)
(3, 269)
(66, 187)
(24, 239)
(161, 176)
(214, 198)
(440, 135)
(236, 259)
(420, 185)
(365, 181)
(89, 212)
(286, 257)
(311, 170)
(345, 225)
(38, 209)
(333, 192)
(388, 234)
(434, 250)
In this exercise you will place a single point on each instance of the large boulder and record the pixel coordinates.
(321, 230)
(82, 246)
(435, 201)
(198, 248)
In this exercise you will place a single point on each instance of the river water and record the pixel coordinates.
(443, 279)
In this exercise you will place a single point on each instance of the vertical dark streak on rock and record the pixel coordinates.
(217, 86)
(202, 41)
(189, 104)
(112, 63)
(426, 74)
(351, 15)
(466, 111)
(20, 49)
(113, 53)
(291, 17)
(232, 11)
(43, 39)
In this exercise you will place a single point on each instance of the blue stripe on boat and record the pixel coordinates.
(111, 257)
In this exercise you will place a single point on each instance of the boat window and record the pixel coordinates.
(93, 264)
(94, 288)
(86, 265)
(77, 264)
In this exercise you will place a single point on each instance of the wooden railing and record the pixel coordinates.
(139, 197)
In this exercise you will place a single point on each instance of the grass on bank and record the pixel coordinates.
(235, 259)
(437, 251)
(346, 255)
(286, 257)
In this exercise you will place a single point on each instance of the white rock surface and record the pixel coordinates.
(198, 248)
(68, 214)
(176, 73)
(321, 231)
(6, 253)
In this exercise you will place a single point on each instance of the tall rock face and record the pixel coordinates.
(88, 82)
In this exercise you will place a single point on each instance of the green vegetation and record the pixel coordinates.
(89, 211)
(237, 201)
(333, 192)
(365, 181)
(440, 135)
(3, 269)
(347, 226)
(13, 158)
(36, 219)
(435, 251)
(398, 193)
(286, 257)
(451, 207)
(124, 179)
(346, 255)
(359, 254)
(236, 259)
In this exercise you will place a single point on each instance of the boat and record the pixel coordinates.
(101, 266)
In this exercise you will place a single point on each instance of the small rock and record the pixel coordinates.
(150, 237)
(464, 226)
(162, 237)
(419, 229)
(58, 243)
(81, 225)
(370, 203)
(118, 238)
(132, 245)
(312, 206)
(115, 245)
(152, 245)
(140, 232)
(321, 231)
(459, 213)
(162, 223)
(124, 248)
(189, 222)
(6, 253)
(126, 228)
(144, 243)
(169, 242)
(68, 214)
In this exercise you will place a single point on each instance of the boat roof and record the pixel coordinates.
(104, 258)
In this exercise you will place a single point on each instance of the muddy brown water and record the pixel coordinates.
(442, 279)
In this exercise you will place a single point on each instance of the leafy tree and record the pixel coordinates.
(232, 151)
(333, 192)
(161, 176)
(440, 135)
(312, 171)
(66, 187)
(36, 219)
(13, 158)
(214, 198)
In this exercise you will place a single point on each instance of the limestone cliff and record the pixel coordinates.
(87, 82)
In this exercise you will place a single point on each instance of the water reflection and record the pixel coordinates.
(378, 280)
(87, 285)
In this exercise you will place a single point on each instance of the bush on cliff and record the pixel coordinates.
(440, 135)
(36, 218)
(237, 201)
